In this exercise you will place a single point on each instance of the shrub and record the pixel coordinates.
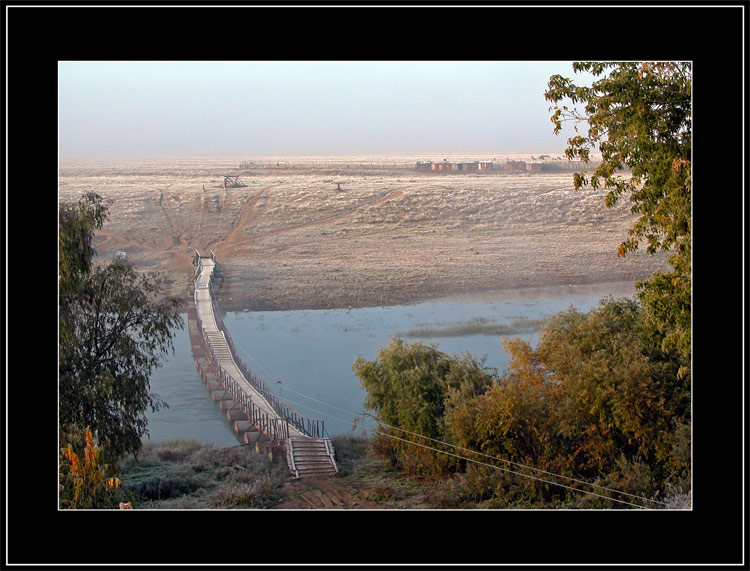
(85, 483)
(408, 386)
(163, 487)
(598, 400)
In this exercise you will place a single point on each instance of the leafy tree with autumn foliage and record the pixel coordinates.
(639, 116)
(598, 400)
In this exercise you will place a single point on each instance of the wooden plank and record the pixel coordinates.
(326, 501)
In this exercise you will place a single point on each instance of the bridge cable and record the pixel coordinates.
(356, 415)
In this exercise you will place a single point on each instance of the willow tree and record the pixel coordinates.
(638, 115)
(409, 387)
(114, 329)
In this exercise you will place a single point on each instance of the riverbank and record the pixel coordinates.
(184, 474)
(619, 288)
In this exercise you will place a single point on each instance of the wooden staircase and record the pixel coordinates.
(311, 457)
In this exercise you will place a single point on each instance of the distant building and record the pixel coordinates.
(534, 167)
(449, 166)
(515, 166)
(476, 166)
(445, 166)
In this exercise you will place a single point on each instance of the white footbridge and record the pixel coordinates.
(306, 449)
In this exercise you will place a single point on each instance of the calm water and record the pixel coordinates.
(307, 355)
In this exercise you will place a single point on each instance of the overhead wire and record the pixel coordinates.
(494, 466)
(454, 446)
(221, 216)
(457, 447)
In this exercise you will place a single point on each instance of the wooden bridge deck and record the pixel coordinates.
(305, 455)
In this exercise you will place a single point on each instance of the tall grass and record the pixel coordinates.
(184, 474)
(478, 326)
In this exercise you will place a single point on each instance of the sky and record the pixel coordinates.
(149, 108)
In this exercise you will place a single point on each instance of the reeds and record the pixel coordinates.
(477, 326)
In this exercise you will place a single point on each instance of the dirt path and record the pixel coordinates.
(178, 232)
(248, 214)
(322, 493)
(235, 237)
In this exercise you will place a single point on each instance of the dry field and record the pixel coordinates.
(311, 239)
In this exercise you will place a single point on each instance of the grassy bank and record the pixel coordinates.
(185, 474)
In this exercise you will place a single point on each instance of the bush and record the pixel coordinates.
(600, 399)
(599, 396)
(160, 487)
(84, 482)
(408, 386)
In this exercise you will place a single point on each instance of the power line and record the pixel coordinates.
(221, 216)
(493, 465)
(509, 471)
(539, 470)
(455, 446)
(200, 219)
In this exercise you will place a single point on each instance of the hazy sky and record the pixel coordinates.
(307, 107)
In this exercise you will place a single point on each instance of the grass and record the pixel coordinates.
(377, 481)
(184, 474)
(478, 326)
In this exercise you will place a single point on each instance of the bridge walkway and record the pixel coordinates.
(306, 454)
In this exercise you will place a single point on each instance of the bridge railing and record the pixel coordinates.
(312, 427)
(276, 428)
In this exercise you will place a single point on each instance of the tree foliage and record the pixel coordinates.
(114, 329)
(84, 480)
(596, 400)
(409, 386)
(605, 395)
(639, 116)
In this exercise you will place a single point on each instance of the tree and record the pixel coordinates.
(639, 117)
(409, 386)
(114, 329)
(598, 400)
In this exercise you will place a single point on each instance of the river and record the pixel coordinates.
(306, 356)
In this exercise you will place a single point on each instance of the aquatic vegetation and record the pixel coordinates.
(477, 326)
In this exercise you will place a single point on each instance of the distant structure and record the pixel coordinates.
(515, 166)
(233, 182)
(534, 167)
(450, 166)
